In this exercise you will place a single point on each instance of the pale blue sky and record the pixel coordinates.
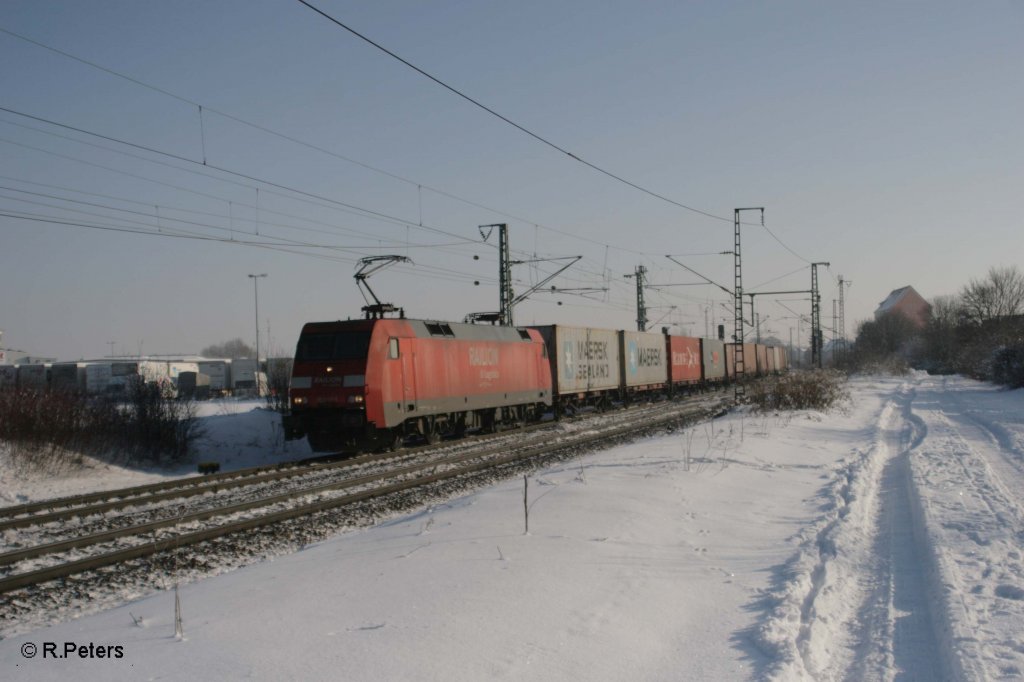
(882, 137)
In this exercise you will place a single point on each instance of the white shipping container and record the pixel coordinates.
(217, 370)
(243, 374)
(644, 359)
(154, 371)
(583, 359)
(176, 368)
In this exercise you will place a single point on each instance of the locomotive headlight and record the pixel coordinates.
(298, 401)
(355, 398)
(330, 369)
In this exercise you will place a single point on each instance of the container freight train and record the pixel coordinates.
(370, 384)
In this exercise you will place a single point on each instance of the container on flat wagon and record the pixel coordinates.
(749, 360)
(713, 358)
(684, 359)
(583, 360)
(32, 376)
(644, 361)
(761, 351)
(67, 376)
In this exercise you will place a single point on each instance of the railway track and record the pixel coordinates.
(318, 487)
(51, 510)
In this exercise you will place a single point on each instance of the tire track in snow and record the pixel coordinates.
(857, 604)
(895, 632)
(903, 643)
(970, 486)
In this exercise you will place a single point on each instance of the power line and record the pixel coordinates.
(269, 183)
(238, 119)
(233, 117)
(532, 134)
(391, 244)
(305, 198)
(512, 123)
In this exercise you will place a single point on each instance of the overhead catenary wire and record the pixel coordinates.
(309, 196)
(419, 185)
(507, 120)
(431, 272)
(527, 131)
(167, 207)
(303, 193)
(309, 145)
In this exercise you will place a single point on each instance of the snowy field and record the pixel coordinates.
(879, 543)
(236, 433)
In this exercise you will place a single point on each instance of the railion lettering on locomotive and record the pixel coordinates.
(483, 356)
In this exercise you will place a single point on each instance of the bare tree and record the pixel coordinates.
(943, 336)
(235, 348)
(887, 336)
(996, 297)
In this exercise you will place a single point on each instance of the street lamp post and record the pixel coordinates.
(256, 293)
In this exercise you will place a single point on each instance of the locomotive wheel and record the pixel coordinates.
(397, 441)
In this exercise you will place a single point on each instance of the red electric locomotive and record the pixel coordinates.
(367, 384)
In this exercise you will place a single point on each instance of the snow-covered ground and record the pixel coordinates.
(880, 543)
(236, 433)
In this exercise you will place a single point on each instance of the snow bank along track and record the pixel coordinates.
(421, 467)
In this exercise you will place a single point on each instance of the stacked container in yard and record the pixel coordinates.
(219, 374)
(193, 385)
(243, 376)
(68, 376)
(98, 377)
(32, 376)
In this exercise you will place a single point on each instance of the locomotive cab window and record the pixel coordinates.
(339, 346)
(393, 348)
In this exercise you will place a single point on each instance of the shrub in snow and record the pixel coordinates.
(1007, 366)
(51, 430)
(818, 389)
